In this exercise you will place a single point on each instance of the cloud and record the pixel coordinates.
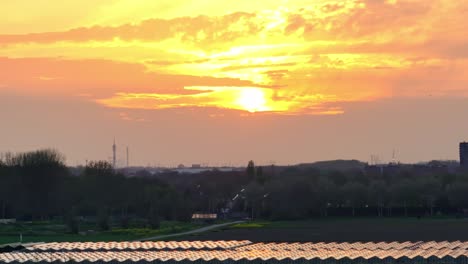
(250, 99)
(351, 25)
(338, 20)
(47, 76)
(175, 62)
(108, 83)
(201, 30)
(353, 50)
(127, 117)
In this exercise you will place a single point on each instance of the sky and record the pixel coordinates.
(224, 82)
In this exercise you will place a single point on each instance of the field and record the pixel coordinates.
(336, 230)
(344, 230)
(55, 232)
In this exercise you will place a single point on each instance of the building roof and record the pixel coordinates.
(135, 246)
(242, 251)
(204, 216)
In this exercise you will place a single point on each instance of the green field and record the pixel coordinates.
(342, 230)
(326, 229)
(55, 232)
(393, 221)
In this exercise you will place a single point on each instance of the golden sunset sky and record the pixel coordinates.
(223, 82)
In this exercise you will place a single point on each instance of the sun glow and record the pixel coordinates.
(292, 57)
(252, 100)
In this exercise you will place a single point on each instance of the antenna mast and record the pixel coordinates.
(114, 154)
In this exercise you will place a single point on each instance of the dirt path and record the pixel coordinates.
(196, 231)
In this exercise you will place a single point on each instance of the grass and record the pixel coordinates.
(324, 229)
(250, 225)
(54, 232)
(66, 238)
(344, 220)
(343, 229)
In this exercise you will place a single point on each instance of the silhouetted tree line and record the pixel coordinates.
(38, 186)
(306, 193)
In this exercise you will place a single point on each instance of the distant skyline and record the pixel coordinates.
(205, 81)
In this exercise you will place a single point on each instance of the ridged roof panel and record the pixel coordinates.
(233, 251)
(134, 246)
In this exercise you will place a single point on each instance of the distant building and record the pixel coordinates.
(7, 221)
(204, 217)
(464, 155)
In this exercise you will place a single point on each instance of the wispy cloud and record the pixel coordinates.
(127, 117)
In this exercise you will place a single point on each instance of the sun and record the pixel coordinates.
(252, 100)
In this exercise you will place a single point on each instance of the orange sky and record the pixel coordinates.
(132, 60)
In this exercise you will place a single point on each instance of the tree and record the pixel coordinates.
(378, 196)
(254, 196)
(326, 191)
(356, 195)
(124, 222)
(457, 194)
(103, 221)
(338, 178)
(72, 222)
(260, 177)
(154, 220)
(301, 199)
(97, 177)
(99, 169)
(405, 194)
(251, 170)
(40, 174)
(429, 192)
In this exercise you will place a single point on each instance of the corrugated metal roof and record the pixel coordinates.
(136, 246)
(242, 251)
